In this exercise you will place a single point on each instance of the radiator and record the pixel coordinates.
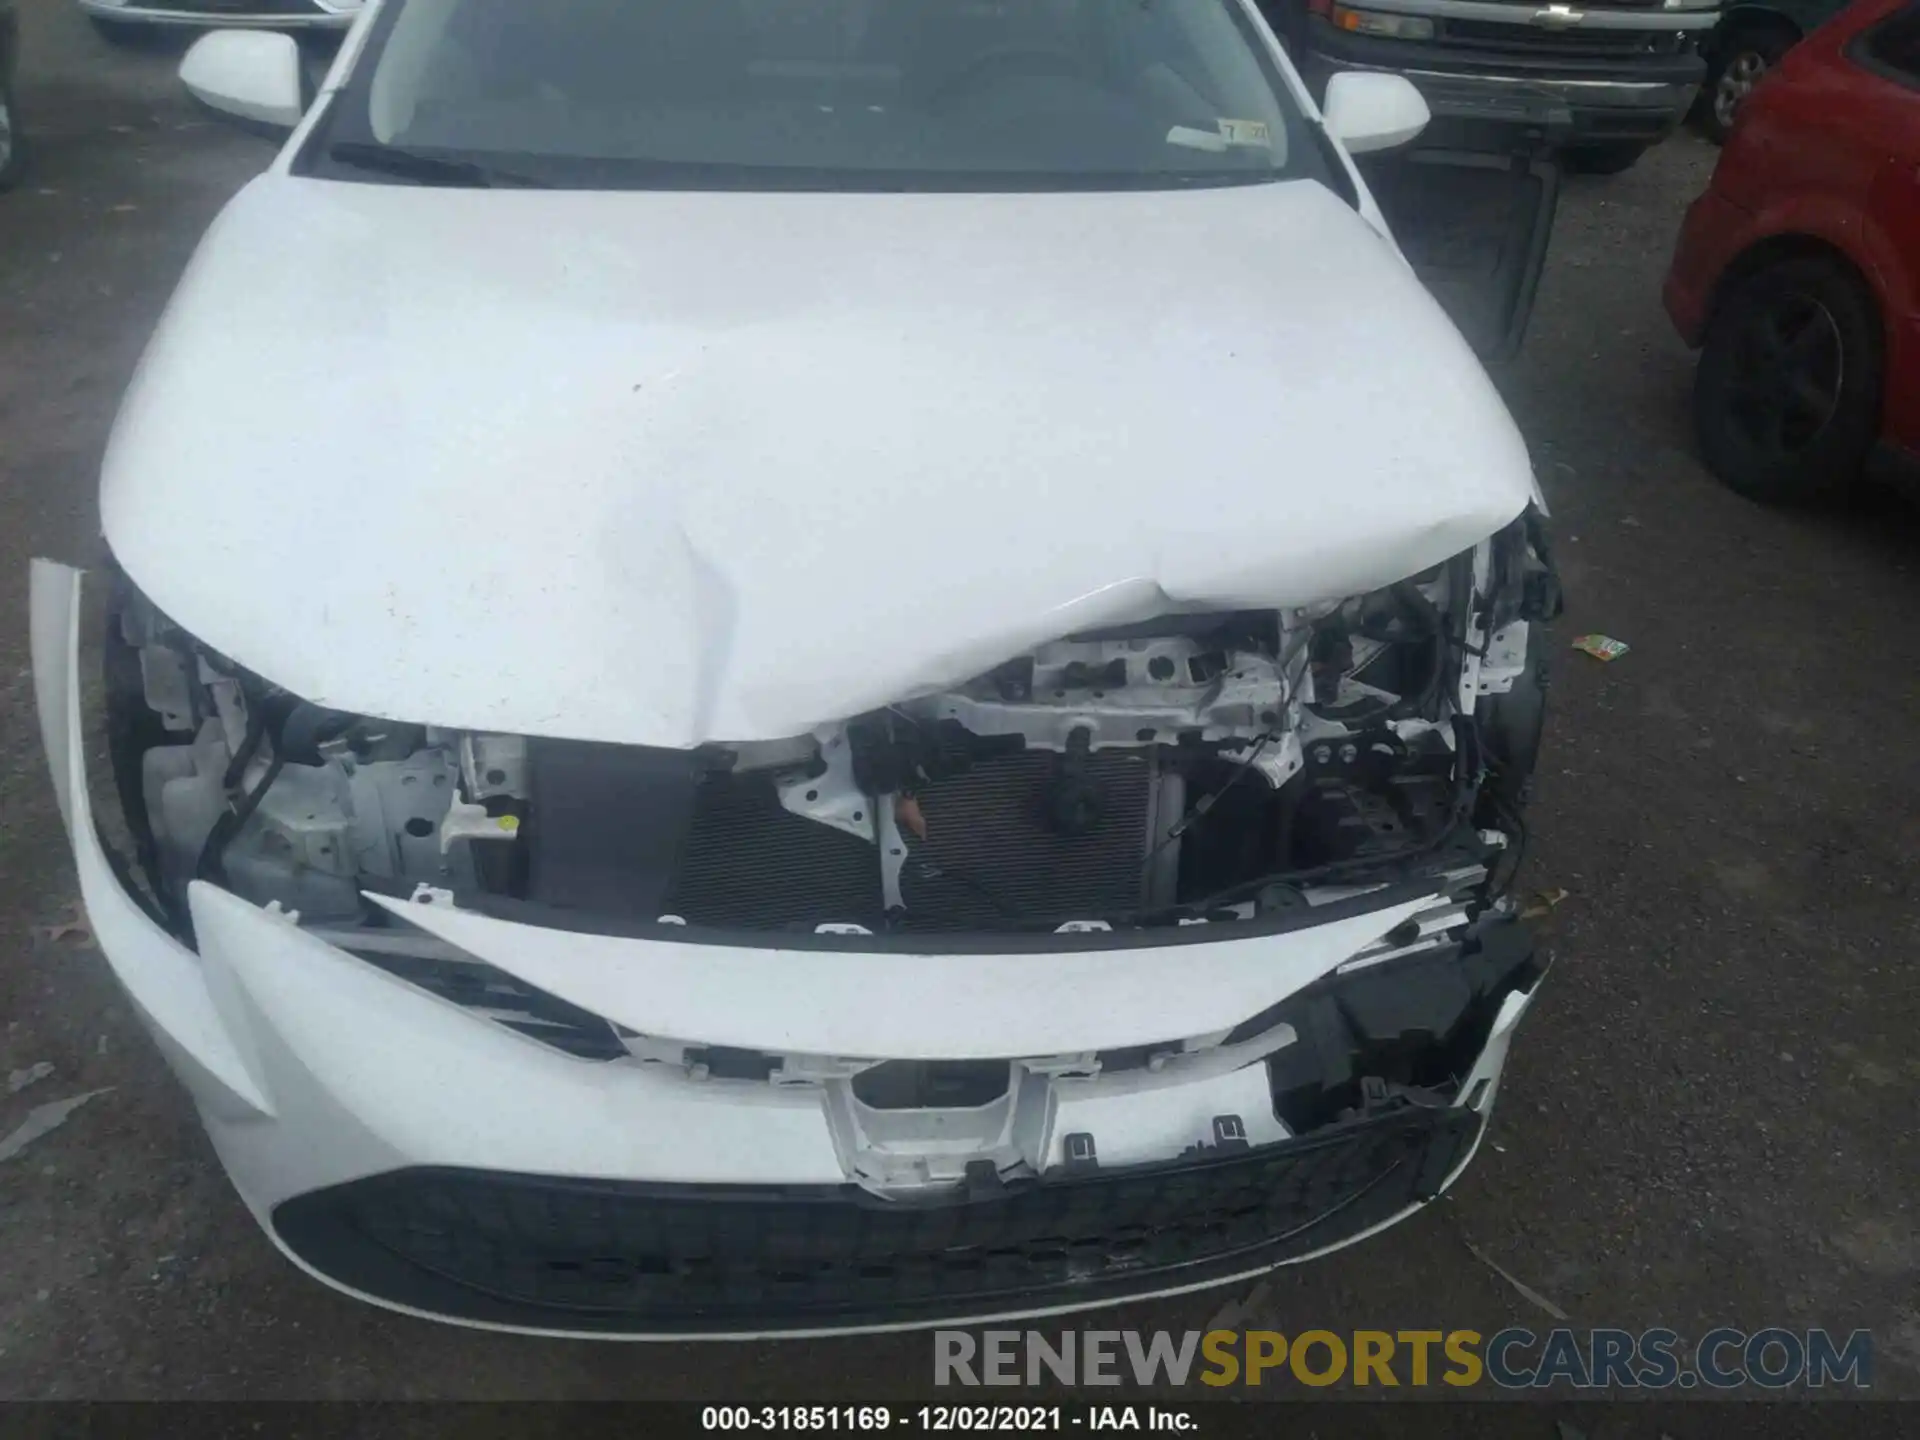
(991, 856)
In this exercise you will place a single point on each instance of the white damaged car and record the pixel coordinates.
(785, 668)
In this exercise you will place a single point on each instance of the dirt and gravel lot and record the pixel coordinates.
(1709, 1117)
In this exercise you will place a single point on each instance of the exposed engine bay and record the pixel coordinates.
(1191, 767)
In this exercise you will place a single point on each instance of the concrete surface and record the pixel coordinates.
(1709, 1116)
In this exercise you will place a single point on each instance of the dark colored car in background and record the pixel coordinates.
(1626, 71)
(1798, 273)
(1750, 40)
(9, 116)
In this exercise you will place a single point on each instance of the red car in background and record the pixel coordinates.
(1797, 274)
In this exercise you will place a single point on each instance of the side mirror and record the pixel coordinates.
(251, 75)
(1370, 110)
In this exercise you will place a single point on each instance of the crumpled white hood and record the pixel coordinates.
(670, 468)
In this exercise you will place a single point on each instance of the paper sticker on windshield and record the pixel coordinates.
(1245, 132)
(1192, 139)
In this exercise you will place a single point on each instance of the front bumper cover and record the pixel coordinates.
(231, 14)
(421, 1157)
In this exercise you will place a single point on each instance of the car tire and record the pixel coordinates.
(1739, 60)
(1607, 158)
(1786, 401)
(12, 143)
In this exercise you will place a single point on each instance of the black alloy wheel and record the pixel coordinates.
(1787, 398)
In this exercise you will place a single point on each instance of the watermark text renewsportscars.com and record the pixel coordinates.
(1720, 1359)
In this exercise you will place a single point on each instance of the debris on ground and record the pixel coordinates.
(19, 1080)
(1543, 903)
(75, 926)
(1601, 647)
(43, 1120)
(1525, 1290)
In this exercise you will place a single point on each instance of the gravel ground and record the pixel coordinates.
(1708, 1118)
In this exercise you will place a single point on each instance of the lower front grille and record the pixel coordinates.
(599, 1256)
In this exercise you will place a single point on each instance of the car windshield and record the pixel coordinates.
(817, 94)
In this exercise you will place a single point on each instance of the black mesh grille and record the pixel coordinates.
(750, 862)
(595, 1255)
(992, 852)
(1531, 40)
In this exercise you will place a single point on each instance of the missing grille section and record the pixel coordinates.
(932, 1084)
(994, 851)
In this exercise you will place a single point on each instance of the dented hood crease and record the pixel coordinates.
(671, 468)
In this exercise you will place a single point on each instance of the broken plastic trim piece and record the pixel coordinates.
(1051, 940)
(851, 996)
(166, 982)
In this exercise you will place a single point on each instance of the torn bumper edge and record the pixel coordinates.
(173, 992)
(311, 1068)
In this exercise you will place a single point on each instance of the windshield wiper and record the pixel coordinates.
(425, 169)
